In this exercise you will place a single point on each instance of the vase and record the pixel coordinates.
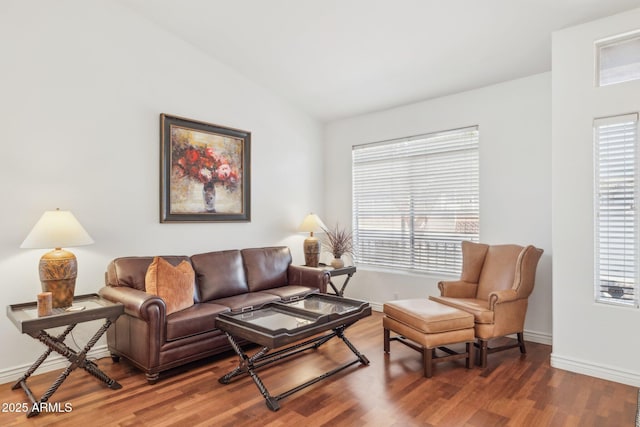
(337, 262)
(209, 197)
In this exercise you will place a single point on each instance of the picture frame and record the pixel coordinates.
(205, 172)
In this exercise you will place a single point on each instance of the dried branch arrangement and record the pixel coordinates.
(338, 241)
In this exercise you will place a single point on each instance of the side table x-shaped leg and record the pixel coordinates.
(339, 272)
(77, 359)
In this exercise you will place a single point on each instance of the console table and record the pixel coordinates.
(89, 307)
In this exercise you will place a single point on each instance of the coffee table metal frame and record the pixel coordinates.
(24, 317)
(299, 320)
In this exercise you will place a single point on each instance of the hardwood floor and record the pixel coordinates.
(513, 390)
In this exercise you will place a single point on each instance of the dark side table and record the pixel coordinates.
(333, 272)
(25, 318)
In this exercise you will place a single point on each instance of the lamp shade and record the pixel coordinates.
(311, 223)
(57, 229)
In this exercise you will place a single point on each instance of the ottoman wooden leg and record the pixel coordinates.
(523, 349)
(483, 352)
(470, 354)
(427, 360)
(387, 337)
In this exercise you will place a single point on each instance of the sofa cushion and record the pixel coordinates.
(291, 291)
(198, 319)
(219, 274)
(266, 268)
(173, 284)
(247, 301)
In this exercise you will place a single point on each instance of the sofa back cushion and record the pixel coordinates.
(266, 268)
(219, 274)
(131, 271)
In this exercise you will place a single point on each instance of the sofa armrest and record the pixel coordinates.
(308, 276)
(500, 297)
(136, 303)
(457, 289)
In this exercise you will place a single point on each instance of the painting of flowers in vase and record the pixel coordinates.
(204, 172)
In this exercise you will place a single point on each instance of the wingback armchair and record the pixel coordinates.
(494, 286)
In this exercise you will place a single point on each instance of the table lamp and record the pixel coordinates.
(58, 268)
(311, 223)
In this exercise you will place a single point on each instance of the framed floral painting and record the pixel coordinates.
(204, 172)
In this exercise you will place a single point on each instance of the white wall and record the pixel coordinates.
(515, 179)
(82, 85)
(594, 339)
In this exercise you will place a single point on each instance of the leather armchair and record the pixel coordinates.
(494, 286)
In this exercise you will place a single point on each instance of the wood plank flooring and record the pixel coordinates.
(513, 390)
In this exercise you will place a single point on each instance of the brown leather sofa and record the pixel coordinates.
(233, 280)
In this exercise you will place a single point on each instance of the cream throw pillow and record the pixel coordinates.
(173, 284)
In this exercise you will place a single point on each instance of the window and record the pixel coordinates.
(616, 218)
(415, 199)
(618, 60)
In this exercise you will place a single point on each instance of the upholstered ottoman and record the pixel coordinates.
(425, 325)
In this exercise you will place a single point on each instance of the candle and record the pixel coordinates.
(44, 304)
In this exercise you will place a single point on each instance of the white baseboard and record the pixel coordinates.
(539, 337)
(533, 336)
(52, 363)
(609, 373)
(376, 306)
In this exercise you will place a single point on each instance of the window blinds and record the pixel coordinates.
(415, 199)
(619, 61)
(616, 219)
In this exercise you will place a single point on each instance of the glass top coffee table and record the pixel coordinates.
(277, 325)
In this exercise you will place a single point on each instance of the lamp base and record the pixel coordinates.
(311, 251)
(58, 272)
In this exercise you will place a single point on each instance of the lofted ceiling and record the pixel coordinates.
(340, 58)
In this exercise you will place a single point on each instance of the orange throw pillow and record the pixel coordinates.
(173, 284)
